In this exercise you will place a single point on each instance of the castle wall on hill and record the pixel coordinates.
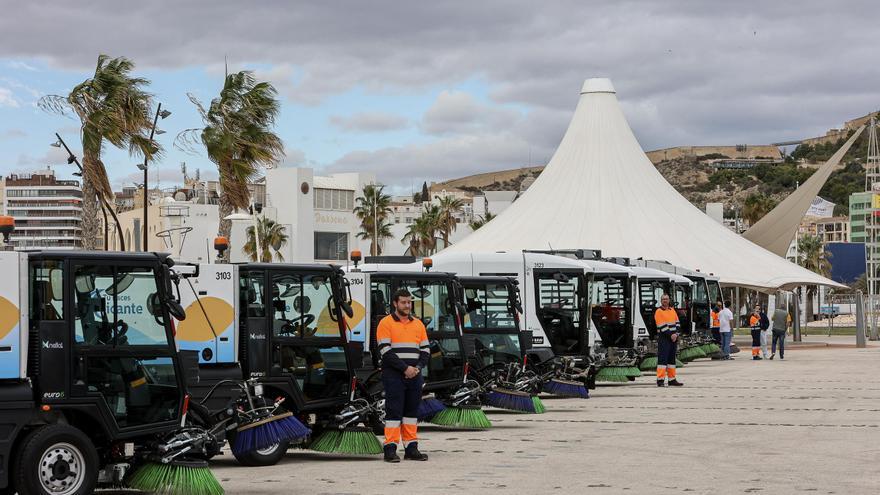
(741, 151)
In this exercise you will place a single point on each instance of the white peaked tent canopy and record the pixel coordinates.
(600, 191)
(776, 230)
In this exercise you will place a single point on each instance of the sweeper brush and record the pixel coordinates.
(691, 353)
(539, 406)
(176, 478)
(429, 407)
(511, 400)
(267, 432)
(466, 417)
(650, 363)
(617, 373)
(352, 440)
(565, 388)
(711, 348)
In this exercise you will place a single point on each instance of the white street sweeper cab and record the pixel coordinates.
(435, 295)
(280, 326)
(91, 385)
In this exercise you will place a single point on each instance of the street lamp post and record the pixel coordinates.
(105, 207)
(145, 168)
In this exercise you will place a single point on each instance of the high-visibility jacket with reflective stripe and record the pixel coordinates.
(716, 319)
(666, 320)
(755, 322)
(402, 342)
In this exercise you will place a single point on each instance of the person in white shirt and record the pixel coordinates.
(725, 317)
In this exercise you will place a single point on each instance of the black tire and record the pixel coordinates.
(261, 458)
(74, 457)
(631, 378)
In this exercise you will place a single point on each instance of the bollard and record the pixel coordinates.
(860, 320)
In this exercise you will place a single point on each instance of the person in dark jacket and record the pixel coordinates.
(403, 344)
(765, 332)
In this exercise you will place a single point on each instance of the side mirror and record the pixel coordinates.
(346, 308)
(175, 309)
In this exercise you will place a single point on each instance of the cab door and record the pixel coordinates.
(123, 354)
(308, 347)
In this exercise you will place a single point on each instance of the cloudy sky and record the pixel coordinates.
(432, 90)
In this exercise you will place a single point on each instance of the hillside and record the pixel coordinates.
(697, 181)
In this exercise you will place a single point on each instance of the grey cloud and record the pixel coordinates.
(457, 112)
(12, 134)
(294, 157)
(441, 159)
(689, 72)
(369, 122)
(52, 157)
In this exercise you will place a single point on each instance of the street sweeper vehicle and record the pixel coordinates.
(496, 347)
(556, 311)
(618, 333)
(92, 388)
(705, 291)
(280, 327)
(452, 396)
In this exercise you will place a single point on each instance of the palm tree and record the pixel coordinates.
(756, 206)
(272, 236)
(112, 106)
(413, 236)
(813, 257)
(449, 207)
(373, 209)
(429, 224)
(480, 221)
(239, 138)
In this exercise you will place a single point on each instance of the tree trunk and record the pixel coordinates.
(225, 226)
(91, 224)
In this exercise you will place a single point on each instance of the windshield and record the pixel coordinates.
(608, 297)
(714, 291)
(432, 303)
(559, 293)
(489, 307)
(301, 304)
(682, 297)
(701, 294)
(650, 292)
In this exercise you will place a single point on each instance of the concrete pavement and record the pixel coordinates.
(810, 424)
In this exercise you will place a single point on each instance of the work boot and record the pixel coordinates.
(661, 383)
(391, 453)
(412, 453)
(675, 383)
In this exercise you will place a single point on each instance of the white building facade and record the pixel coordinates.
(47, 211)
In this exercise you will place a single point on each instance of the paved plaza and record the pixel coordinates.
(808, 424)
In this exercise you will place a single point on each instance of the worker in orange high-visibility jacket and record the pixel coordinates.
(666, 319)
(715, 321)
(755, 327)
(403, 344)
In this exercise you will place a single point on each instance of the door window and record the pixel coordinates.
(302, 306)
(489, 307)
(138, 391)
(320, 372)
(118, 306)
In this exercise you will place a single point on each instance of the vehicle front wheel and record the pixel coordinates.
(265, 457)
(58, 460)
